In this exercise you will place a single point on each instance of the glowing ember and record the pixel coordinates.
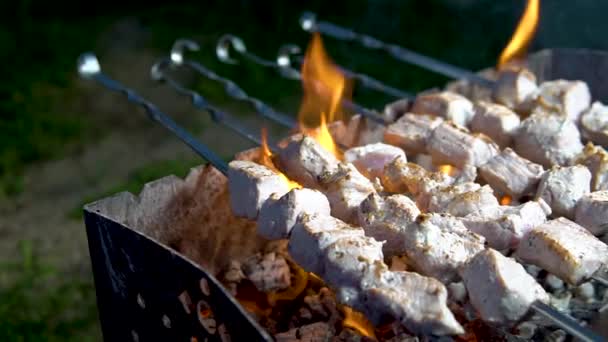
(447, 169)
(505, 200)
(266, 159)
(523, 34)
(357, 321)
(325, 87)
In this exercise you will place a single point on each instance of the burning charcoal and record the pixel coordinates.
(250, 185)
(437, 245)
(397, 109)
(496, 121)
(233, 276)
(385, 219)
(586, 291)
(563, 187)
(279, 214)
(304, 160)
(563, 248)
(447, 105)
(400, 177)
(592, 212)
(412, 132)
(526, 330)
(268, 273)
(594, 123)
(569, 98)
(554, 283)
(315, 332)
(504, 226)
(508, 173)
(454, 145)
(548, 139)
(595, 158)
(556, 336)
(515, 89)
(371, 159)
(345, 189)
(499, 287)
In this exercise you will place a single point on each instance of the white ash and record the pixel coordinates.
(509, 174)
(279, 214)
(592, 212)
(268, 272)
(455, 145)
(595, 158)
(564, 249)
(403, 177)
(516, 89)
(496, 121)
(548, 139)
(412, 132)
(594, 124)
(250, 185)
(371, 159)
(563, 187)
(569, 98)
(448, 105)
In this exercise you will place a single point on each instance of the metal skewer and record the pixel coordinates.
(566, 322)
(89, 68)
(223, 54)
(309, 23)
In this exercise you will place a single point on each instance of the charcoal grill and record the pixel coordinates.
(147, 290)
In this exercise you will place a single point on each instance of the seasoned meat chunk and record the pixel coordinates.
(595, 158)
(496, 121)
(516, 89)
(563, 187)
(592, 212)
(594, 124)
(569, 98)
(268, 272)
(371, 159)
(412, 132)
(401, 176)
(509, 174)
(455, 145)
(447, 105)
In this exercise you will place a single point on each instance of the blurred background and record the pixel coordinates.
(65, 142)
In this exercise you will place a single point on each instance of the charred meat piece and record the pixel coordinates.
(250, 185)
(595, 158)
(345, 189)
(304, 160)
(594, 123)
(509, 174)
(563, 187)
(499, 288)
(447, 105)
(496, 121)
(564, 249)
(371, 159)
(455, 145)
(592, 212)
(504, 226)
(548, 139)
(412, 132)
(569, 98)
(386, 219)
(515, 89)
(401, 177)
(437, 245)
(279, 214)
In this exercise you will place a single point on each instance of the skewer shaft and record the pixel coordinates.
(600, 279)
(565, 322)
(402, 54)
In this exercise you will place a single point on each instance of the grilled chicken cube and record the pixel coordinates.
(564, 249)
(595, 158)
(371, 159)
(548, 139)
(472, 202)
(397, 109)
(592, 212)
(455, 145)
(268, 272)
(496, 121)
(345, 189)
(447, 105)
(418, 302)
(412, 132)
(250, 185)
(465, 175)
(503, 227)
(280, 213)
(312, 234)
(499, 288)
(304, 160)
(400, 177)
(437, 245)
(515, 89)
(386, 219)
(563, 187)
(594, 124)
(569, 98)
(509, 174)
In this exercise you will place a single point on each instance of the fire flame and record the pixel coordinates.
(447, 169)
(266, 159)
(505, 200)
(523, 34)
(325, 87)
(357, 321)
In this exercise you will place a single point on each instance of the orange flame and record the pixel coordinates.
(357, 321)
(447, 169)
(324, 89)
(523, 34)
(505, 200)
(266, 160)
